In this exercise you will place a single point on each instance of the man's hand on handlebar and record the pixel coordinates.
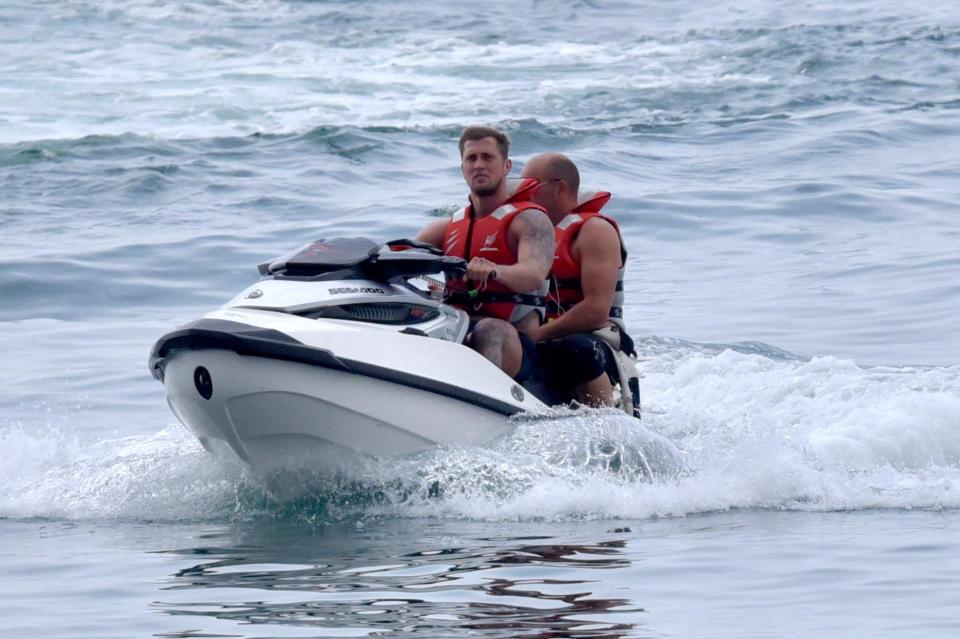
(482, 270)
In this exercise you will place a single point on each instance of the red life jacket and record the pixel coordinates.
(566, 289)
(486, 237)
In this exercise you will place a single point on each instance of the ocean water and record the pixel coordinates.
(785, 175)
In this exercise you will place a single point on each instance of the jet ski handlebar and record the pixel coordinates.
(393, 264)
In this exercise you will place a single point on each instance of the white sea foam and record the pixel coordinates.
(165, 477)
(152, 83)
(722, 430)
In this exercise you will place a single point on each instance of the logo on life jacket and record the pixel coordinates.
(488, 244)
(452, 240)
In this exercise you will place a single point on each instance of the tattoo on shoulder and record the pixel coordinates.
(540, 235)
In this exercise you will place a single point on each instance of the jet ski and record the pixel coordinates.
(344, 346)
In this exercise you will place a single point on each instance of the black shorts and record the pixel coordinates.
(575, 359)
(528, 363)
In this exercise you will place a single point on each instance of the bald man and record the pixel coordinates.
(578, 346)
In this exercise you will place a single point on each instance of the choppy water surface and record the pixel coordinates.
(784, 175)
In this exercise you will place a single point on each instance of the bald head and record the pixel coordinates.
(560, 182)
(555, 166)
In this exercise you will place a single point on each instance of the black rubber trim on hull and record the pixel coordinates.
(243, 339)
(240, 338)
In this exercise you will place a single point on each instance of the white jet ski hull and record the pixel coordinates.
(277, 390)
(273, 413)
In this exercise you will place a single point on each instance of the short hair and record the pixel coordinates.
(561, 167)
(477, 132)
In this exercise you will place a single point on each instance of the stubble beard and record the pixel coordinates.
(487, 190)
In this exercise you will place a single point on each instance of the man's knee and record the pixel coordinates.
(576, 359)
(489, 331)
(499, 342)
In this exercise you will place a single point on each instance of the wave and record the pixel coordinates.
(308, 66)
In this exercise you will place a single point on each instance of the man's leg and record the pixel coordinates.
(597, 392)
(499, 342)
(581, 362)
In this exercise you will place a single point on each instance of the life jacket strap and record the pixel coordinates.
(490, 297)
(574, 283)
(556, 308)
